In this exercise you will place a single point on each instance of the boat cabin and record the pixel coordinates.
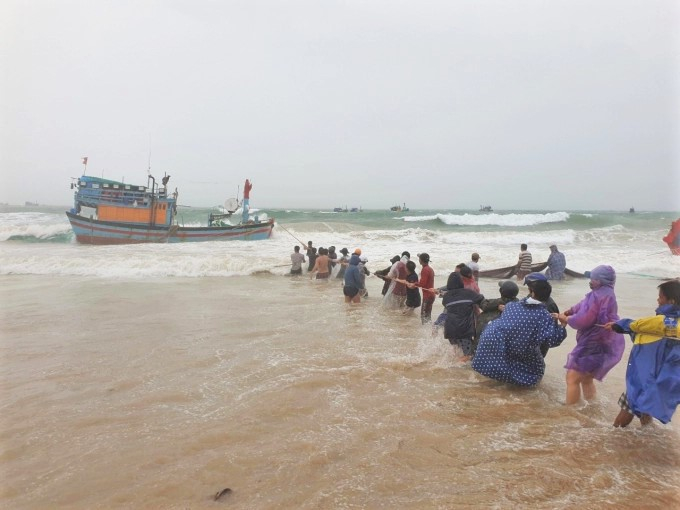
(125, 203)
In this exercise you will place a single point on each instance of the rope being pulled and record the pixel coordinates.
(293, 236)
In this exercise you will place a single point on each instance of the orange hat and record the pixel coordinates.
(357, 251)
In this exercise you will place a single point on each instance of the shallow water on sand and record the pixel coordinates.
(158, 393)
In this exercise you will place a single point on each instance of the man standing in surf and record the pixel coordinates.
(524, 262)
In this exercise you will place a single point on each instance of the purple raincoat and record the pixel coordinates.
(597, 350)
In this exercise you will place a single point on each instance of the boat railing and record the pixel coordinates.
(116, 194)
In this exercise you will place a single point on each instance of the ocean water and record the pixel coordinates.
(40, 241)
(154, 376)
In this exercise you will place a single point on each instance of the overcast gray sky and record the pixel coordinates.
(441, 104)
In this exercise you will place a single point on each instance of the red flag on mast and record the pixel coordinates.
(85, 161)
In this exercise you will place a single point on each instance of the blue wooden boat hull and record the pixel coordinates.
(91, 231)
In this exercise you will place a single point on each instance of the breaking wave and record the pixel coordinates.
(504, 220)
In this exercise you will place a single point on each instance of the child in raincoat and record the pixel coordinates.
(597, 349)
(653, 374)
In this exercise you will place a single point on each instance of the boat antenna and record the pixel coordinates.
(149, 167)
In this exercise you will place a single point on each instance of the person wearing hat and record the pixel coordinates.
(529, 281)
(343, 261)
(557, 263)
(492, 308)
(382, 274)
(550, 304)
(426, 283)
(474, 265)
(509, 348)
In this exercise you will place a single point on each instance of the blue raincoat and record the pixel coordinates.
(653, 374)
(509, 348)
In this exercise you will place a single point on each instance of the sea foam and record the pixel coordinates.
(477, 220)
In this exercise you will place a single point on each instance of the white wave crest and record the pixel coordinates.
(478, 220)
(32, 224)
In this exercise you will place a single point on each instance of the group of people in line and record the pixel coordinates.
(325, 264)
(507, 338)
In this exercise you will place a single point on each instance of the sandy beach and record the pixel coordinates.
(158, 393)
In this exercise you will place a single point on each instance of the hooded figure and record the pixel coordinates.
(353, 280)
(395, 297)
(557, 263)
(510, 346)
(460, 303)
(597, 349)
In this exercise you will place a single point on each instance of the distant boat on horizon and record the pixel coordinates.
(398, 208)
(485, 208)
(631, 210)
(31, 204)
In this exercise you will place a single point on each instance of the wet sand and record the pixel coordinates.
(158, 393)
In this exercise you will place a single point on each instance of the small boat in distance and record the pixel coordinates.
(31, 204)
(398, 208)
(340, 209)
(485, 208)
(631, 210)
(113, 212)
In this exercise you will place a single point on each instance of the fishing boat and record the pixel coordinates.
(399, 208)
(511, 271)
(340, 209)
(485, 208)
(113, 212)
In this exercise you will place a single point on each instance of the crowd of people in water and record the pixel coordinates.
(506, 338)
